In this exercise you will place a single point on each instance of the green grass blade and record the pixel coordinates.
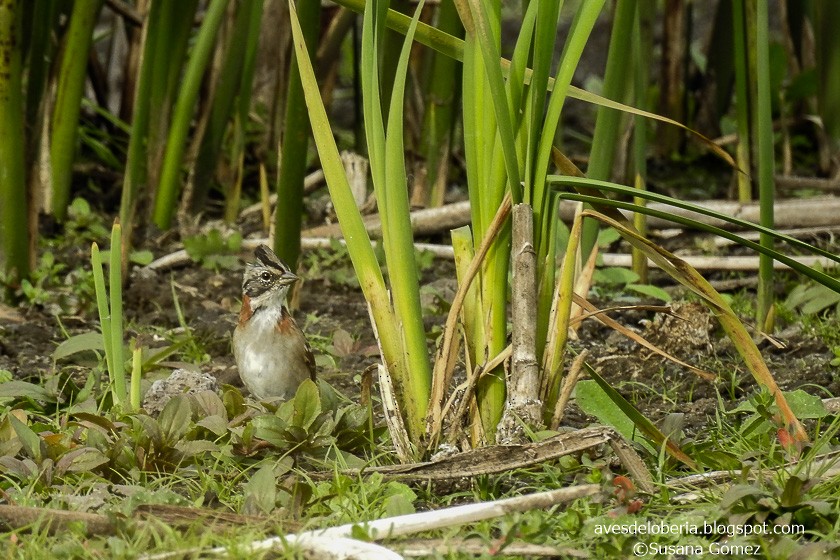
(387, 163)
(402, 266)
(561, 308)
(582, 26)
(104, 314)
(352, 227)
(814, 274)
(136, 377)
(617, 76)
(488, 43)
(582, 183)
(640, 420)
(117, 369)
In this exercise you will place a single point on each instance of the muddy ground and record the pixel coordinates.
(329, 304)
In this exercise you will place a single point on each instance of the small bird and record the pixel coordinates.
(271, 351)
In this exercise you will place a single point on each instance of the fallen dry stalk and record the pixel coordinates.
(506, 458)
(523, 405)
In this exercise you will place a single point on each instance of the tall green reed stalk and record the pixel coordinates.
(766, 164)
(68, 102)
(182, 114)
(826, 18)
(14, 226)
(294, 145)
(439, 115)
(617, 76)
(387, 165)
(231, 91)
(524, 130)
(165, 34)
(755, 150)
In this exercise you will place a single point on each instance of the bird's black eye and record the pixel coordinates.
(265, 276)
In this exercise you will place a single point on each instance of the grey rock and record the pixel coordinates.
(180, 382)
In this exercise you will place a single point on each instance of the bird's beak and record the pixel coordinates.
(288, 278)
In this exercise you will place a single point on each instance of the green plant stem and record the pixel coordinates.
(170, 179)
(742, 100)
(40, 51)
(68, 102)
(136, 376)
(104, 315)
(608, 121)
(826, 20)
(294, 146)
(545, 212)
(766, 163)
(642, 52)
(560, 312)
(14, 227)
(462, 245)
(136, 176)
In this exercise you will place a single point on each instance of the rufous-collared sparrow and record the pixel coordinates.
(271, 351)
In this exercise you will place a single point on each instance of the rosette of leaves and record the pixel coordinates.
(315, 421)
(794, 501)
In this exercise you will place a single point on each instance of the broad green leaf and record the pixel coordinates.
(210, 404)
(21, 468)
(819, 300)
(141, 258)
(216, 424)
(32, 443)
(174, 419)
(399, 504)
(307, 405)
(234, 401)
(805, 405)
(650, 291)
(17, 389)
(195, 447)
(595, 402)
(273, 430)
(260, 492)
(82, 459)
(89, 341)
(614, 275)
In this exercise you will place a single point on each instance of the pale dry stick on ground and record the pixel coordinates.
(790, 213)
(407, 524)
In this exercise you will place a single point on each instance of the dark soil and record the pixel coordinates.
(209, 302)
